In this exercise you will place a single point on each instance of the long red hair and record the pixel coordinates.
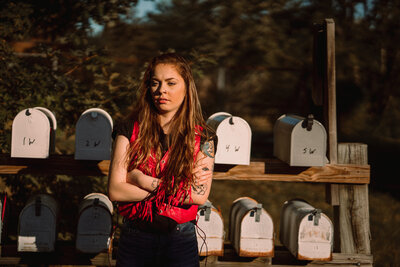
(184, 126)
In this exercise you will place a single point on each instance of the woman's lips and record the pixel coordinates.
(162, 100)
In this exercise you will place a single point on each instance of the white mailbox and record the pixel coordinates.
(94, 224)
(210, 236)
(251, 229)
(234, 138)
(93, 135)
(306, 231)
(33, 133)
(300, 141)
(37, 227)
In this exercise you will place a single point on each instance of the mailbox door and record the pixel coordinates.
(257, 237)
(94, 230)
(93, 136)
(36, 233)
(234, 142)
(214, 231)
(30, 136)
(315, 241)
(308, 147)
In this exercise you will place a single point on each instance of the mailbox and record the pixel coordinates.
(300, 141)
(33, 133)
(94, 224)
(93, 135)
(37, 224)
(211, 228)
(306, 231)
(234, 138)
(251, 229)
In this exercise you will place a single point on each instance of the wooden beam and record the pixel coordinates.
(330, 102)
(266, 170)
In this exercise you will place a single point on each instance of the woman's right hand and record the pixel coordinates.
(142, 180)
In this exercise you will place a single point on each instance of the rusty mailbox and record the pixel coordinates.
(306, 231)
(93, 135)
(33, 133)
(94, 224)
(210, 236)
(37, 226)
(234, 138)
(251, 229)
(300, 141)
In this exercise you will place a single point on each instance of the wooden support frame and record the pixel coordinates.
(263, 170)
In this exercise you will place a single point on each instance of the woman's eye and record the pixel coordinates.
(171, 83)
(154, 84)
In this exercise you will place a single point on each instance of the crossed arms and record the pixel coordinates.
(134, 186)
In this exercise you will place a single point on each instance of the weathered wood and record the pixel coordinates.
(330, 102)
(330, 89)
(353, 212)
(341, 259)
(265, 170)
(55, 164)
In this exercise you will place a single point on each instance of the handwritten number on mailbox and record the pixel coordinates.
(93, 143)
(308, 150)
(30, 141)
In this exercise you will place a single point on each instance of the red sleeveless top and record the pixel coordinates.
(168, 206)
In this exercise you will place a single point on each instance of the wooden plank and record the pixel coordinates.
(328, 174)
(55, 164)
(353, 212)
(342, 259)
(266, 170)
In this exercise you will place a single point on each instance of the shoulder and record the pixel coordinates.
(124, 128)
(209, 140)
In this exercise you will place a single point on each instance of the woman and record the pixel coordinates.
(161, 168)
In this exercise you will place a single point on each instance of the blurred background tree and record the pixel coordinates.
(250, 58)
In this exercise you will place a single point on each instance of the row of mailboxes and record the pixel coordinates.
(298, 141)
(33, 134)
(304, 230)
(37, 226)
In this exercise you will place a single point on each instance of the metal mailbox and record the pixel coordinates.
(211, 231)
(33, 133)
(93, 135)
(94, 224)
(234, 138)
(306, 231)
(251, 229)
(37, 227)
(300, 141)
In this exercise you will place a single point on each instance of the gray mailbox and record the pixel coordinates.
(212, 225)
(33, 133)
(93, 135)
(37, 227)
(251, 229)
(300, 141)
(234, 138)
(95, 223)
(306, 231)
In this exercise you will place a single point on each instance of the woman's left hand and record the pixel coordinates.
(202, 172)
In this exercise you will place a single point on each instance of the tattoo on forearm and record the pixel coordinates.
(208, 149)
(199, 189)
(155, 183)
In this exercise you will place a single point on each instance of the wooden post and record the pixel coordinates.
(326, 39)
(354, 229)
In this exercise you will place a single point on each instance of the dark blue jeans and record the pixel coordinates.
(175, 248)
